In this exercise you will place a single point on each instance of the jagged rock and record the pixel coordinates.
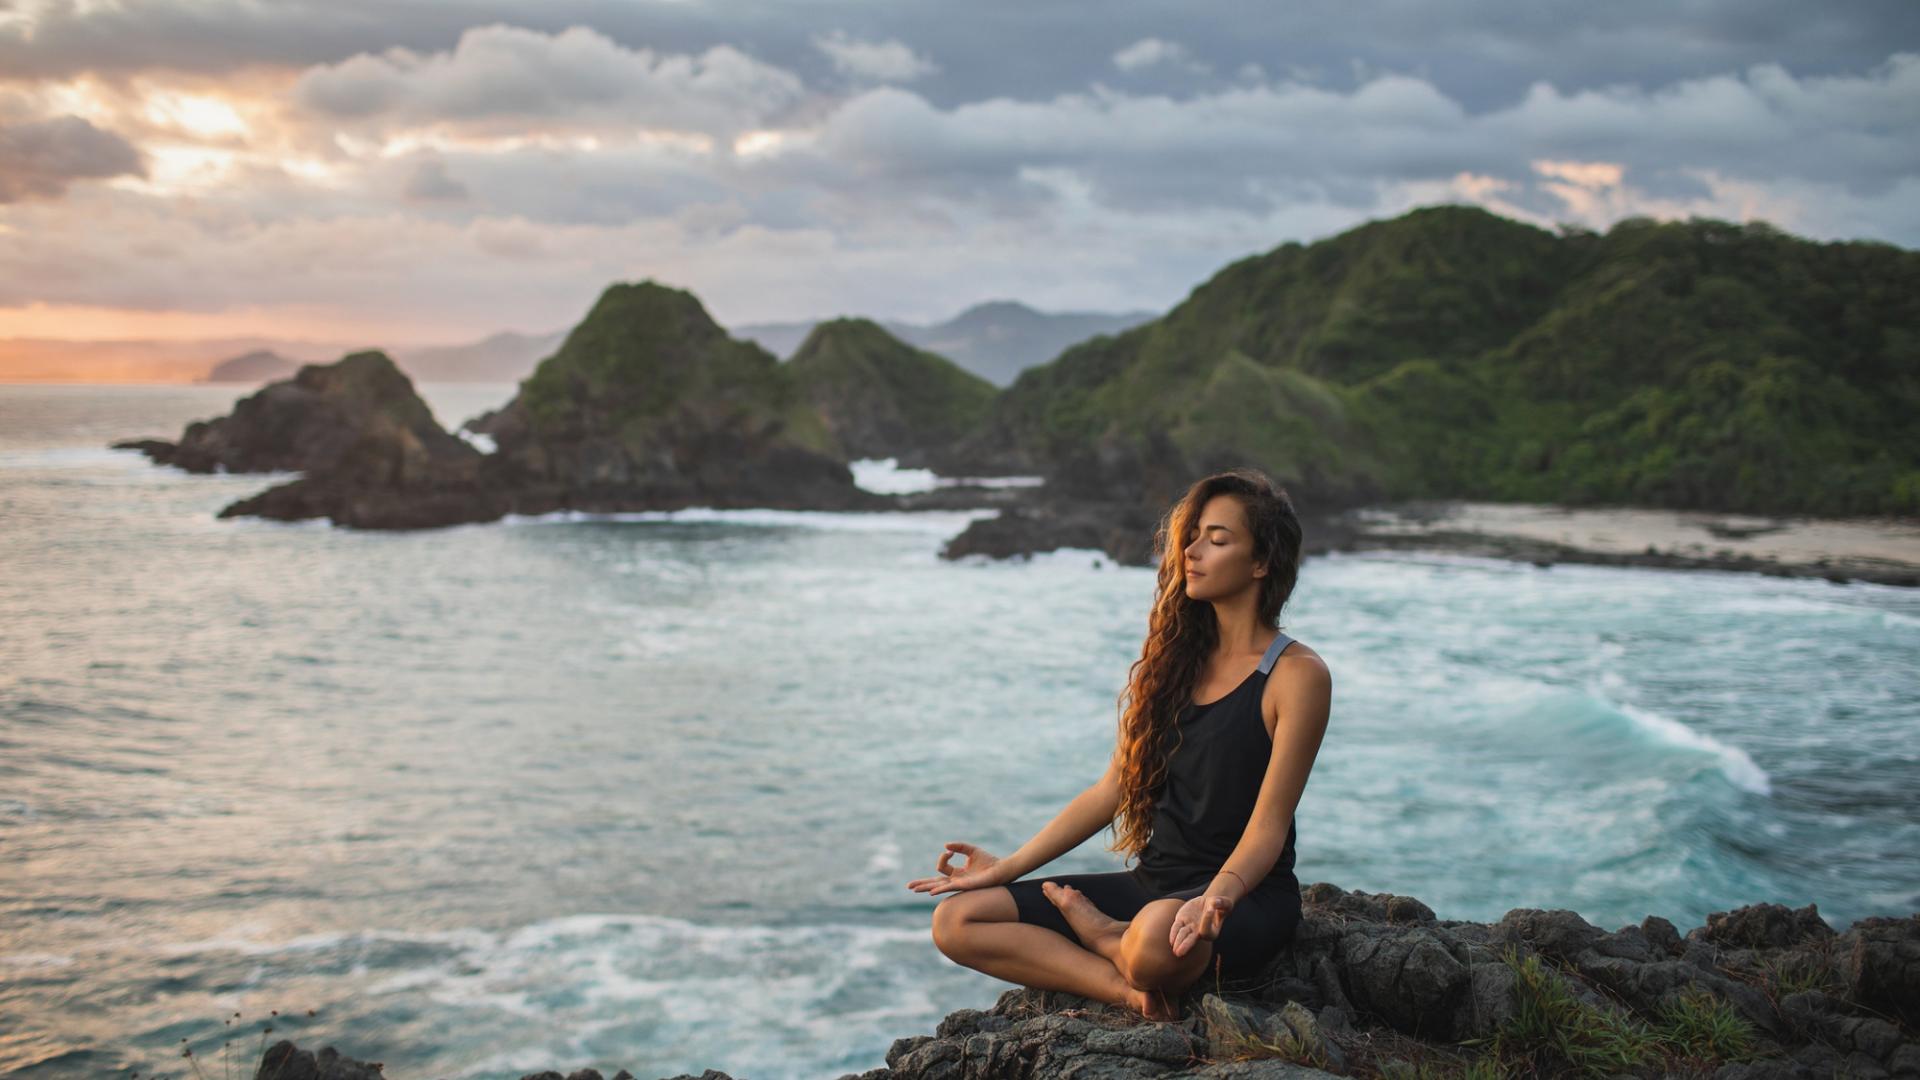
(1410, 978)
(1361, 963)
(1661, 934)
(285, 1061)
(647, 405)
(1764, 925)
(648, 397)
(360, 413)
(1883, 966)
(1123, 532)
(1558, 933)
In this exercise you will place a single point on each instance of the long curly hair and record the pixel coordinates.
(1182, 632)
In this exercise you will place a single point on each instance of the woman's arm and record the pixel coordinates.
(1299, 701)
(1088, 813)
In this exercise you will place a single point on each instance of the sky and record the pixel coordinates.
(435, 172)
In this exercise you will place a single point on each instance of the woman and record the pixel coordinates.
(1220, 724)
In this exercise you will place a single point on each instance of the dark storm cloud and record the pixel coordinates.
(39, 158)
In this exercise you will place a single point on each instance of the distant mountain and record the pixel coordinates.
(258, 366)
(995, 340)
(881, 397)
(503, 357)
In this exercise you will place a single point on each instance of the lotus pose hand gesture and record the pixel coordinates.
(979, 873)
(1198, 919)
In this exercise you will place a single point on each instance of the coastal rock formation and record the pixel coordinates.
(327, 415)
(1375, 985)
(649, 404)
(881, 397)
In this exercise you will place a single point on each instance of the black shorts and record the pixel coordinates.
(1260, 925)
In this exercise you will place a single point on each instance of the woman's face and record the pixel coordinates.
(1219, 553)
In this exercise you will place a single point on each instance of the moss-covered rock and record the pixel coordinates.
(881, 397)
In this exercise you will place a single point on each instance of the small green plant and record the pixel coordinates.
(1288, 1047)
(1701, 1026)
(1553, 1032)
(1801, 970)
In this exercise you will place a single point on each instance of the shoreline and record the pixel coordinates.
(1883, 551)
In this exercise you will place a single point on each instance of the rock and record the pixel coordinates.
(326, 416)
(902, 1047)
(1766, 925)
(881, 397)
(1124, 532)
(1882, 965)
(649, 402)
(1661, 934)
(647, 405)
(284, 1061)
(1408, 977)
(1558, 933)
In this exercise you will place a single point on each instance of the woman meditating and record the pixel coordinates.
(1219, 726)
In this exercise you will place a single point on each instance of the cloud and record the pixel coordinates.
(429, 182)
(39, 158)
(877, 61)
(783, 171)
(1154, 52)
(502, 78)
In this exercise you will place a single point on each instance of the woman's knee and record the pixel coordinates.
(1146, 957)
(953, 916)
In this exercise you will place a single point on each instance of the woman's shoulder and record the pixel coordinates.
(1300, 661)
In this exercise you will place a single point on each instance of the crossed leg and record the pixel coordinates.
(1129, 963)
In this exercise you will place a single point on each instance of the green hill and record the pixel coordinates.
(1454, 353)
(648, 362)
(882, 397)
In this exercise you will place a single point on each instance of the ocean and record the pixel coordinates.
(644, 791)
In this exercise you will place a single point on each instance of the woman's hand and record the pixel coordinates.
(1199, 918)
(980, 872)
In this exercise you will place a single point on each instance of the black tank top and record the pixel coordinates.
(1218, 758)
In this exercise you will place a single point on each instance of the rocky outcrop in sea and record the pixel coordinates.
(648, 405)
(326, 416)
(1376, 985)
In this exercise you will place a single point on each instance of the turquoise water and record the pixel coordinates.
(644, 792)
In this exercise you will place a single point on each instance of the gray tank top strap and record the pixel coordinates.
(1280, 643)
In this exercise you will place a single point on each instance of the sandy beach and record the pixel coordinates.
(1871, 549)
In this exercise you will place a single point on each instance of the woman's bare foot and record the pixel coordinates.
(1097, 930)
(1153, 1004)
